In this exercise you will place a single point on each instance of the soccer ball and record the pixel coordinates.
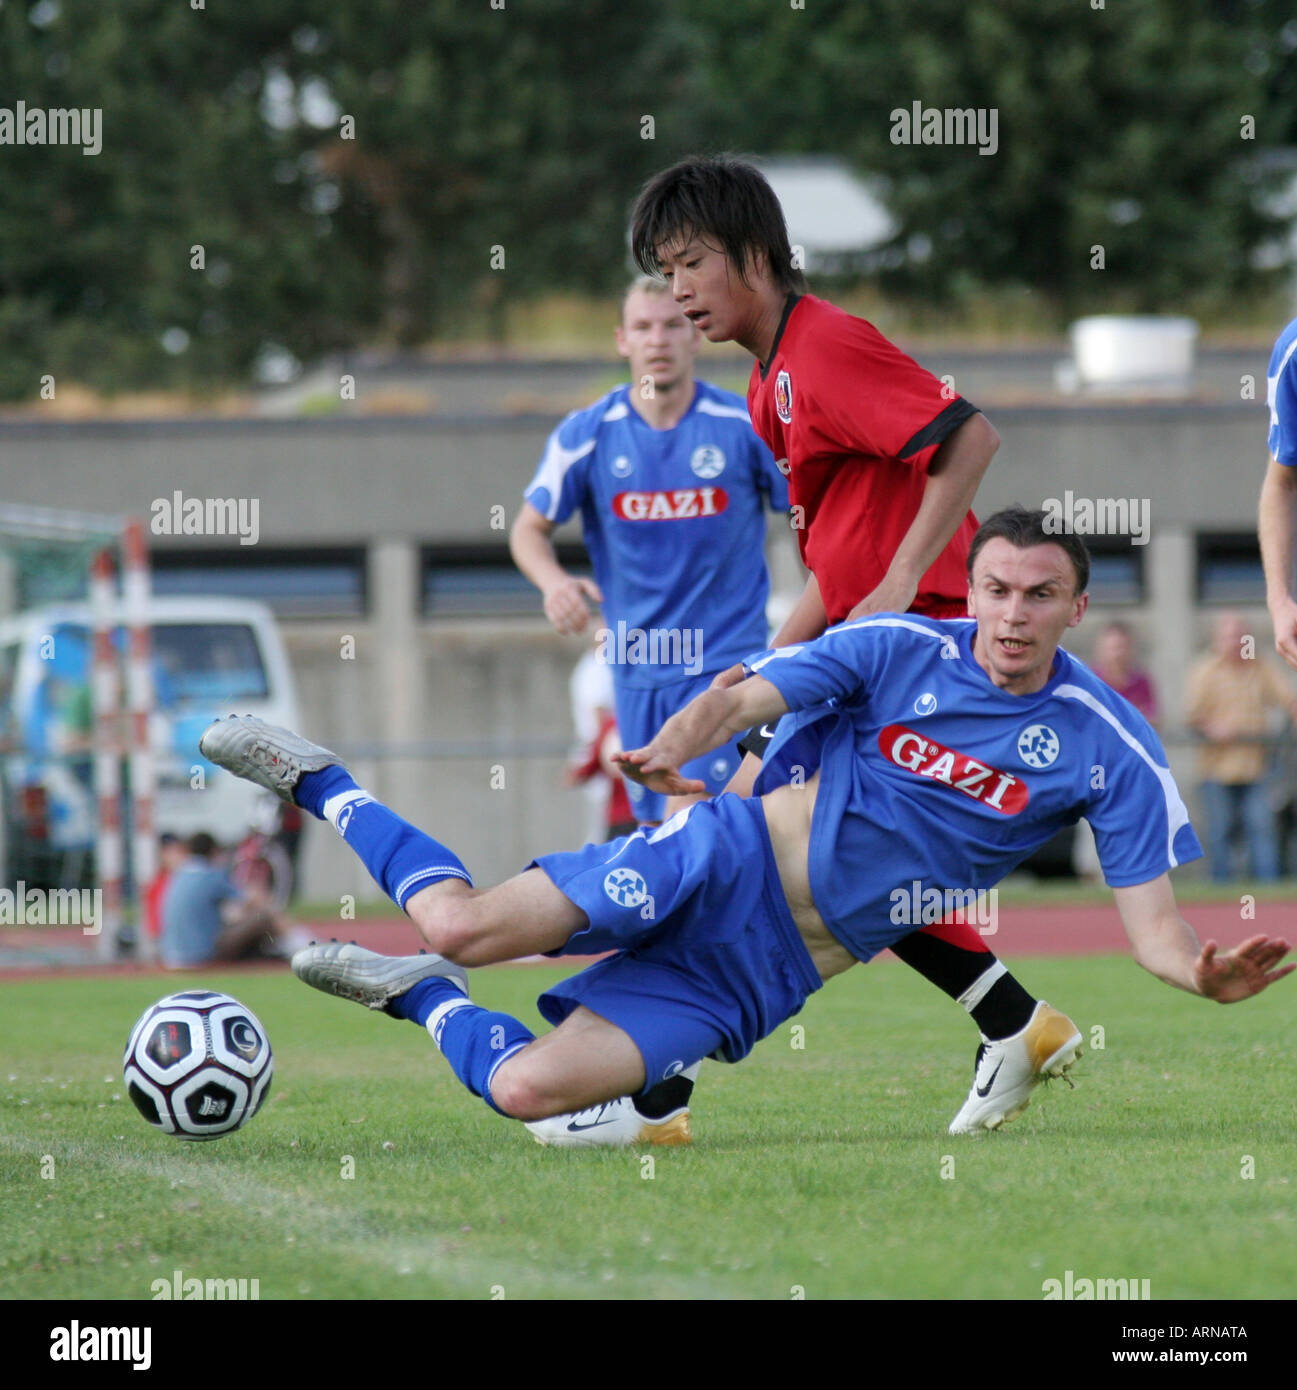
(198, 1064)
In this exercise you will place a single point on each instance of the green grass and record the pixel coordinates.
(819, 1168)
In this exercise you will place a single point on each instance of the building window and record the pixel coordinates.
(1229, 568)
(481, 581)
(1116, 570)
(296, 583)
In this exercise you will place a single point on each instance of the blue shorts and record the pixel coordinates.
(709, 960)
(641, 713)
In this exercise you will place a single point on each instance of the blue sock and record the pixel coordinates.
(417, 1003)
(472, 1039)
(314, 788)
(401, 858)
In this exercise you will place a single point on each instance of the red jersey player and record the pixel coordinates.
(883, 461)
(860, 425)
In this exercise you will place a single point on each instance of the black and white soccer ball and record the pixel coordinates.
(198, 1064)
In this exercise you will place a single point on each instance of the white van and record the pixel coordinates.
(211, 657)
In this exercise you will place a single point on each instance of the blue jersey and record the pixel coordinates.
(932, 777)
(1281, 397)
(674, 523)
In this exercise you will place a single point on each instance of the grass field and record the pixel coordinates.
(824, 1168)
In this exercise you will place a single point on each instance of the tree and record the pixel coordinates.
(1118, 127)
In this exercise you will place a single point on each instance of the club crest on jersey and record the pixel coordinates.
(707, 461)
(926, 703)
(1038, 746)
(621, 467)
(784, 397)
(925, 757)
(680, 504)
(626, 887)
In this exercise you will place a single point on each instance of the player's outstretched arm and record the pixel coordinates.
(533, 552)
(707, 721)
(1276, 525)
(1166, 946)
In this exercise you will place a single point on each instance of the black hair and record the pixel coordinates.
(1023, 528)
(202, 844)
(721, 198)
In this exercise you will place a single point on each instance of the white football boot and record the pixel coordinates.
(263, 753)
(613, 1124)
(365, 977)
(1006, 1072)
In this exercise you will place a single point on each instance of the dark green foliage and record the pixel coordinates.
(523, 128)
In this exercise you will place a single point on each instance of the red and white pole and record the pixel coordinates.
(110, 856)
(136, 591)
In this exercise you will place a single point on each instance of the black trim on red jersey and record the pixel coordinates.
(789, 305)
(939, 429)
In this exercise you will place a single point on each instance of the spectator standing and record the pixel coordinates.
(1231, 696)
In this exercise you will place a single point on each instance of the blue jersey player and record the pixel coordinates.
(672, 486)
(924, 755)
(1277, 523)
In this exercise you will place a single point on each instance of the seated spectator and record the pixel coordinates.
(205, 918)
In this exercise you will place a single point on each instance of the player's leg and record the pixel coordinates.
(706, 959)
(472, 926)
(524, 916)
(586, 1059)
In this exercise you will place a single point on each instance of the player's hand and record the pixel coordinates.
(1239, 974)
(891, 596)
(731, 675)
(1284, 616)
(566, 606)
(657, 772)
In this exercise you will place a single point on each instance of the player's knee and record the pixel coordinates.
(451, 927)
(519, 1089)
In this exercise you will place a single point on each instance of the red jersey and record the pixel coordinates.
(854, 423)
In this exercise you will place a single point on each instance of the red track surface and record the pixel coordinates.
(1021, 931)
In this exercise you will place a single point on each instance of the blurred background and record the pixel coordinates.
(352, 263)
